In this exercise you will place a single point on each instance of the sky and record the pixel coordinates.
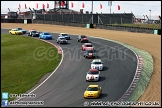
(138, 8)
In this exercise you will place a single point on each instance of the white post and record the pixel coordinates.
(92, 7)
(110, 9)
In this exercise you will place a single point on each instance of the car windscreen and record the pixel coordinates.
(34, 31)
(88, 45)
(92, 89)
(90, 51)
(62, 38)
(46, 33)
(92, 72)
(64, 34)
(83, 37)
(96, 63)
(19, 28)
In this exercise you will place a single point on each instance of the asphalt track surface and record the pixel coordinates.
(66, 86)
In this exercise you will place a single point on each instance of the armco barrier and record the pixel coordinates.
(75, 24)
(98, 26)
(126, 28)
(29, 21)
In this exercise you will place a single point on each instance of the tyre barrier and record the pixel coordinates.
(135, 80)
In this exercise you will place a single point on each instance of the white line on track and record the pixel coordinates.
(63, 56)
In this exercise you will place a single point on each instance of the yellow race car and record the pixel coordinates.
(93, 91)
(15, 32)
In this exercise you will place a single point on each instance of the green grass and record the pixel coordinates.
(154, 26)
(146, 73)
(22, 64)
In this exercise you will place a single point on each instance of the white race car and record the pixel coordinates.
(97, 64)
(93, 75)
(64, 35)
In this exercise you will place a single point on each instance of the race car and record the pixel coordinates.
(97, 64)
(31, 30)
(89, 53)
(15, 32)
(93, 75)
(62, 40)
(82, 38)
(45, 35)
(87, 46)
(64, 35)
(33, 33)
(93, 91)
(20, 29)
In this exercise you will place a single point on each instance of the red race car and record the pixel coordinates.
(87, 46)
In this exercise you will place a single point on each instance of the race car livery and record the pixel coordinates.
(97, 64)
(64, 35)
(20, 29)
(15, 32)
(31, 30)
(87, 46)
(45, 35)
(82, 38)
(93, 91)
(93, 75)
(89, 53)
(62, 40)
(33, 33)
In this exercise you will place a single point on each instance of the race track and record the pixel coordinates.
(67, 85)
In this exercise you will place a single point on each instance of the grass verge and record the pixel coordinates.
(146, 72)
(24, 62)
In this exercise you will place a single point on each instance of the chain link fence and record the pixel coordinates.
(88, 18)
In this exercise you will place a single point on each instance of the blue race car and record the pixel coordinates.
(45, 35)
(64, 35)
(20, 29)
